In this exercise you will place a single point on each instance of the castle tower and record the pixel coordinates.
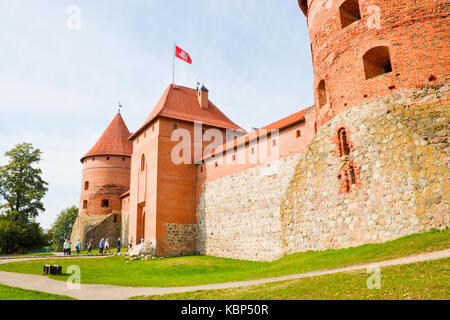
(366, 49)
(105, 177)
(163, 191)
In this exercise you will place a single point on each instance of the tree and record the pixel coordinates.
(20, 236)
(21, 191)
(21, 185)
(62, 227)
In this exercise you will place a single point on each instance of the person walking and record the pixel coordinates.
(102, 245)
(130, 244)
(78, 246)
(65, 247)
(107, 246)
(89, 246)
(118, 245)
(69, 247)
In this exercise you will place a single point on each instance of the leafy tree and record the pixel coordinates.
(62, 227)
(21, 191)
(20, 236)
(21, 185)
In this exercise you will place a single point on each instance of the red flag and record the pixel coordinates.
(183, 55)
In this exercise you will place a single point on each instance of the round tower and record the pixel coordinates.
(366, 49)
(105, 177)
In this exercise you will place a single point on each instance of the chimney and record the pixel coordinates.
(202, 96)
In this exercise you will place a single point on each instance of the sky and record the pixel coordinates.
(62, 75)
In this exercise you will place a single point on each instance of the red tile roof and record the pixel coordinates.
(278, 125)
(181, 103)
(114, 141)
(286, 122)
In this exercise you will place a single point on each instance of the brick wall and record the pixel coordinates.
(415, 33)
(108, 177)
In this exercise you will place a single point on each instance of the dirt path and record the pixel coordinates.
(107, 292)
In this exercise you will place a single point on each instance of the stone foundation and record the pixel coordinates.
(239, 215)
(401, 153)
(180, 239)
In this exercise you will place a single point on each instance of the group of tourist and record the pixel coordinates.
(104, 246)
(67, 247)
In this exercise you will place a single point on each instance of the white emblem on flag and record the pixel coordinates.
(183, 54)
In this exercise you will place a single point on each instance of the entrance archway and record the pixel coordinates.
(140, 225)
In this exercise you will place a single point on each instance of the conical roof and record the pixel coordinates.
(114, 141)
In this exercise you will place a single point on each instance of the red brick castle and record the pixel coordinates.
(367, 163)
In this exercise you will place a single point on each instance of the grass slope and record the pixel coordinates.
(12, 293)
(197, 270)
(424, 280)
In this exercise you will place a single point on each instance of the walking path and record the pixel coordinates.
(108, 292)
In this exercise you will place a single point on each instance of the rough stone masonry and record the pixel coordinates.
(400, 144)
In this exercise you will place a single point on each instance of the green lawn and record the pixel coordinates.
(196, 270)
(11, 293)
(418, 281)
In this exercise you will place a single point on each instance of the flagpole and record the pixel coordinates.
(173, 66)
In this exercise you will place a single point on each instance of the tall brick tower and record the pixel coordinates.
(105, 177)
(365, 49)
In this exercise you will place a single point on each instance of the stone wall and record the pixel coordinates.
(239, 215)
(97, 227)
(391, 181)
(400, 154)
(180, 239)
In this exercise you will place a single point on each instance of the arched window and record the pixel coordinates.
(322, 93)
(350, 13)
(85, 204)
(377, 61)
(344, 148)
(86, 185)
(143, 163)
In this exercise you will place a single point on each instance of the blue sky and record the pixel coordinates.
(59, 88)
